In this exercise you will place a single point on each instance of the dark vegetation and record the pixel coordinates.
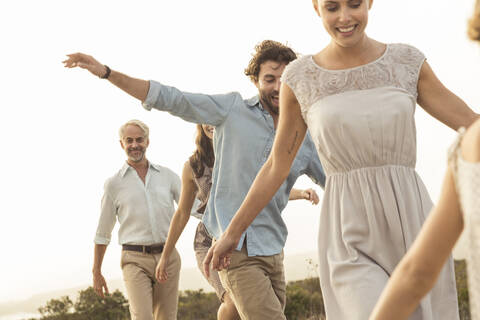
(304, 302)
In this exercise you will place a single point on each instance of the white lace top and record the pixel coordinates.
(467, 179)
(398, 67)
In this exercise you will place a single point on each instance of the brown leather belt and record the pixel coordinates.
(155, 248)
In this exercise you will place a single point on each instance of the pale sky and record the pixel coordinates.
(59, 126)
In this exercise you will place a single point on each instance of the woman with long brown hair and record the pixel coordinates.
(196, 183)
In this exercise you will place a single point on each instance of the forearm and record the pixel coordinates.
(461, 115)
(405, 289)
(267, 182)
(296, 194)
(179, 221)
(99, 253)
(137, 88)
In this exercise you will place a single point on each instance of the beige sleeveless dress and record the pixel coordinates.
(467, 179)
(362, 123)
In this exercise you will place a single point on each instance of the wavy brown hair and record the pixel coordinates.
(203, 154)
(474, 23)
(265, 51)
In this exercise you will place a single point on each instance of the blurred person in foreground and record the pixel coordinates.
(457, 210)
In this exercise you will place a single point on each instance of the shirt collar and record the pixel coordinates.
(126, 167)
(254, 101)
(155, 167)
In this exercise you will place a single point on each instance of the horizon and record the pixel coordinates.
(190, 279)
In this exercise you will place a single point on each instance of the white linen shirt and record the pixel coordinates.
(143, 210)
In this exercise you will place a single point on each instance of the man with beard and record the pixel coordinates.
(141, 197)
(244, 133)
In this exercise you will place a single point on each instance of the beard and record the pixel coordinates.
(135, 158)
(266, 100)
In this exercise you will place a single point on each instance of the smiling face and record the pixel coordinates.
(268, 84)
(134, 143)
(344, 20)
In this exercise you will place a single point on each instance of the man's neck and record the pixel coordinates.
(273, 114)
(141, 165)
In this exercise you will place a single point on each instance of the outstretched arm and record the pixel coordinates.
(307, 194)
(179, 221)
(441, 103)
(192, 107)
(288, 139)
(135, 87)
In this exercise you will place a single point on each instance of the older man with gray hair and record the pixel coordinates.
(140, 196)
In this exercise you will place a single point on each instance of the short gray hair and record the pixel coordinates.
(134, 122)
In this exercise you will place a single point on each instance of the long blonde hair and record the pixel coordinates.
(474, 23)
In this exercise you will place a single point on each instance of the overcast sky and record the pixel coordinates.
(59, 127)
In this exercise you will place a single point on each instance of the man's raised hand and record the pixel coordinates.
(85, 61)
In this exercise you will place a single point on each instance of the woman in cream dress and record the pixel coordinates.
(357, 97)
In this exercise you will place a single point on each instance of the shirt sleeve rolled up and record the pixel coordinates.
(107, 220)
(192, 107)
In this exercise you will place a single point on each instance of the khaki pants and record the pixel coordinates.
(149, 299)
(256, 285)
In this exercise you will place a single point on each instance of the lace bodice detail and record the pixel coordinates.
(467, 180)
(399, 66)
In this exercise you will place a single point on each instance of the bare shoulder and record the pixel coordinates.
(187, 172)
(471, 143)
(187, 168)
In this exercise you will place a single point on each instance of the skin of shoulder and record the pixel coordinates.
(470, 144)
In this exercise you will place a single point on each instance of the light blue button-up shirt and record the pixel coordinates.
(244, 134)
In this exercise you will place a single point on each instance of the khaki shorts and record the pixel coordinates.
(256, 285)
